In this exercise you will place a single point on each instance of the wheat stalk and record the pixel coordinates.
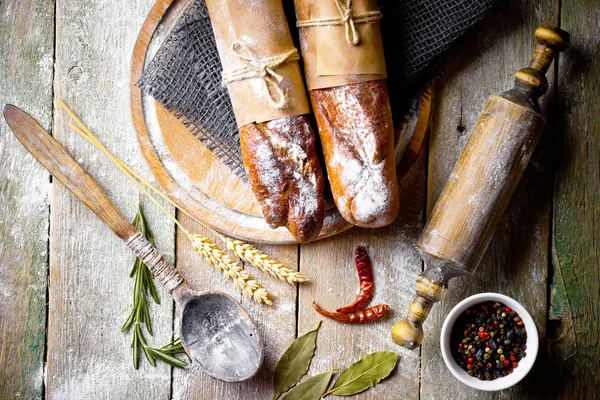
(247, 253)
(253, 256)
(201, 244)
(230, 269)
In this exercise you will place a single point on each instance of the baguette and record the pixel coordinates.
(357, 135)
(285, 174)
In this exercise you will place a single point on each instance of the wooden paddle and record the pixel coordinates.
(215, 330)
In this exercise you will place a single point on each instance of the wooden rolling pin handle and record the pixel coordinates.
(409, 332)
(551, 40)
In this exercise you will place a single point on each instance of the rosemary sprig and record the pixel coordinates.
(140, 313)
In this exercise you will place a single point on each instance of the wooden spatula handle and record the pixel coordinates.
(53, 156)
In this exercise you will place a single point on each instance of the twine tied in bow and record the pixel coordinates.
(346, 18)
(263, 68)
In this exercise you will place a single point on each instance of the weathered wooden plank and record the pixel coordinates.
(576, 219)
(277, 324)
(395, 265)
(26, 60)
(517, 260)
(90, 292)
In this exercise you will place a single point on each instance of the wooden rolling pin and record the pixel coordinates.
(481, 184)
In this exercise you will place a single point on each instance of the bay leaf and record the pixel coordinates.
(365, 373)
(294, 363)
(311, 389)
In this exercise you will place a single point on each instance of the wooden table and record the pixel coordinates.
(64, 290)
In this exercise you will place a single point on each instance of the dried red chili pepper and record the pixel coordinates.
(370, 314)
(365, 278)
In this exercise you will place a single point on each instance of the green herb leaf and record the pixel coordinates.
(173, 361)
(311, 389)
(294, 363)
(365, 373)
(127, 325)
(135, 352)
(149, 356)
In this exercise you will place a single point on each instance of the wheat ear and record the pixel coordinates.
(230, 269)
(253, 256)
(201, 244)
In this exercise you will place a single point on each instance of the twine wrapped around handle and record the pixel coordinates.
(346, 18)
(156, 263)
(263, 68)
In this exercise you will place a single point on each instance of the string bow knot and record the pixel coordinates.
(346, 18)
(352, 35)
(262, 68)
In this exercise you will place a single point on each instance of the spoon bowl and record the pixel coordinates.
(218, 334)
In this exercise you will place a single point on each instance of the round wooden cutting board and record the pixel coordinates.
(198, 181)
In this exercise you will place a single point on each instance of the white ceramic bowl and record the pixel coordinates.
(524, 365)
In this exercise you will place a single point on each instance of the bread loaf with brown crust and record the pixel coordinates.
(357, 135)
(285, 174)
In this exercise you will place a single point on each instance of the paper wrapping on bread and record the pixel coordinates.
(329, 58)
(248, 32)
(345, 69)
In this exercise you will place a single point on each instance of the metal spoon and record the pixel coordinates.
(215, 330)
